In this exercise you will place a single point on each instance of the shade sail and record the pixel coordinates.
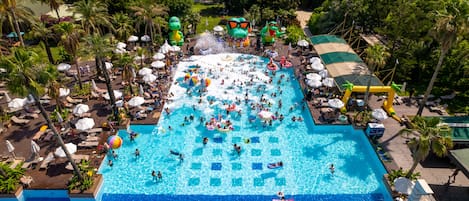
(319, 39)
(461, 158)
(339, 57)
(333, 47)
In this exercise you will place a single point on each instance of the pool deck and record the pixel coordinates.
(434, 171)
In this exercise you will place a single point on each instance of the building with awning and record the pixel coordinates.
(341, 61)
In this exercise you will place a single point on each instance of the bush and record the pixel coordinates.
(87, 172)
(9, 178)
(85, 91)
(295, 33)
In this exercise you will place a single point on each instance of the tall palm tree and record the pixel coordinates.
(451, 24)
(39, 30)
(94, 15)
(54, 5)
(26, 76)
(10, 8)
(427, 135)
(376, 57)
(70, 40)
(146, 14)
(100, 48)
(123, 26)
(127, 63)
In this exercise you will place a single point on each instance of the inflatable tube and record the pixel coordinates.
(273, 166)
(210, 128)
(287, 64)
(272, 66)
(231, 108)
(224, 130)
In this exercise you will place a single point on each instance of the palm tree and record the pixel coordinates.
(427, 135)
(376, 57)
(70, 40)
(451, 24)
(123, 26)
(39, 30)
(54, 5)
(127, 63)
(146, 13)
(26, 76)
(94, 15)
(9, 7)
(100, 48)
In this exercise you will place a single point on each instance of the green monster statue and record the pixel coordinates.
(175, 36)
(238, 29)
(269, 32)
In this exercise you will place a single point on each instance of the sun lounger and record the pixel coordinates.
(29, 116)
(72, 100)
(94, 130)
(79, 157)
(86, 144)
(12, 110)
(16, 162)
(20, 121)
(92, 138)
(45, 163)
(40, 133)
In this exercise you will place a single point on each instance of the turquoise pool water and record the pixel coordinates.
(215, 171)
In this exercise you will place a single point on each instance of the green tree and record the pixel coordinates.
(10, 7)
(451, 22)
(39, 30)
(94, 15)
(146, 14)
(54, 5)
(123, 26)
(26, 76)
(70, 40)
(427, 135)
(127, 63)
(100, 48)
(178, 8)
(376, 57)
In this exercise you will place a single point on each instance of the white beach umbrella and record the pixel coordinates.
(132, 39)
(302, 43)
(138, 58)
(328, 82)
(17, 102)
(175, 48)
(93, 84)
(80, 109)
(71, 148)
(120, 103)
(64, 92)
(35, 148)
(59, 117)
(136, 101)
(108, 65)
(335, 103)
(11, 148)
(403, 185)
(149, 78)
(218, 28)
(145, 38)
(117, 94)
(317, 66)
(120, 51)
(379, 114)
(7, 97)
(84, 124)
(314, 60)
(158, 56)
(121, 45)
(63, 67)
(165, 48)
(144, 71)
(323, 73)
(313, 76)
(158, 64)
(133, 73)
(140, 90)
(314, 83)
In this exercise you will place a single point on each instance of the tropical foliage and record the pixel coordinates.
(9, 178)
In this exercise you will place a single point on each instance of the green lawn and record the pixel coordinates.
(210, 16)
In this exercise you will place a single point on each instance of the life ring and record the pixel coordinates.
(272, 66)
(287, 64)
(280, 194)
(224, 130)
(232, 107)
(210, 127)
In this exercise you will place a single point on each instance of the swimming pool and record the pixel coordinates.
(215, 171)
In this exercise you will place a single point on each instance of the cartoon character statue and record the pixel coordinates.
(238, 29)
(175, 36)
(269, 32)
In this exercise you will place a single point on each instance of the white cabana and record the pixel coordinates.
(136, 101)
(158, 64)
(80, 109)
(149, 78)
(17, 102)
(64, 92)
(71, 148)
(158, 56)
(63, 67)
(144, 71)
(84, 124)
(117, 95)
(132, 39)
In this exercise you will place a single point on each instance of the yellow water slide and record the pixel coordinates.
(387, 104)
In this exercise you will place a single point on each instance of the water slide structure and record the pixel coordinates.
(387, 104)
